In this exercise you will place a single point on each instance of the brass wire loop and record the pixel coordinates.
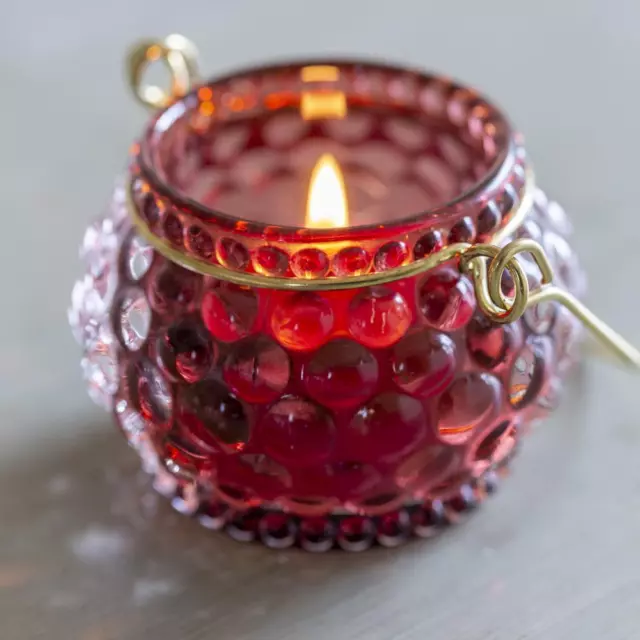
(487, 280)
(181, 58)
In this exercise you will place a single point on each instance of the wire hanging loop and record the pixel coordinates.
(179, 55)
(487, 279)
(486, 264)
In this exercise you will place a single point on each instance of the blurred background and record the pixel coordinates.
(87, 552)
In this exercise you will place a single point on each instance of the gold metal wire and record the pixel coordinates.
(324, 284)
(485, 263)
(181, 58)
(487, 280)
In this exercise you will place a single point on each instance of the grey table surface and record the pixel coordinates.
(87, 552)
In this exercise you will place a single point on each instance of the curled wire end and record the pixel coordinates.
(487, 264)
(181, 59)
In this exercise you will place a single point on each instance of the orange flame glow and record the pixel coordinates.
(327, 199)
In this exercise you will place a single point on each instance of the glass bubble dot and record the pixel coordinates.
(379, 317)
(341, 373)
(139, 257)
(271, 261)
(352, 261)
(134, 320)
(212, 417)
(310, 263)
(471, 400)
(186, 350)
(257, 369)
(229, 311)
(446, 299)
(302, 321)
(387, 427)
(424, 362)
(297, 432)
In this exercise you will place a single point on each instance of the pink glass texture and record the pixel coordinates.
(319, 418)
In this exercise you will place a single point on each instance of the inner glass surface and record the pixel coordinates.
(396, 160)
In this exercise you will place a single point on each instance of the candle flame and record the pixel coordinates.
(327, 199)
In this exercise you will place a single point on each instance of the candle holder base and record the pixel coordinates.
(277, 529)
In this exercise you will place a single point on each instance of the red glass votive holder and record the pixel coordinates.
(322, 387)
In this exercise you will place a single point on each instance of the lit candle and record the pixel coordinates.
(289, 340)
(327, 200)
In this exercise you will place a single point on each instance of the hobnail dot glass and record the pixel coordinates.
(321, 418)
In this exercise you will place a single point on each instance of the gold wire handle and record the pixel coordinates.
(487, 279)
(485, 263)
(243, 278)
(181, 58)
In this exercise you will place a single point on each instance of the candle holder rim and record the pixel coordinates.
(167, 116)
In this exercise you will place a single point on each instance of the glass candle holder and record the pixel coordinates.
(325, 386)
